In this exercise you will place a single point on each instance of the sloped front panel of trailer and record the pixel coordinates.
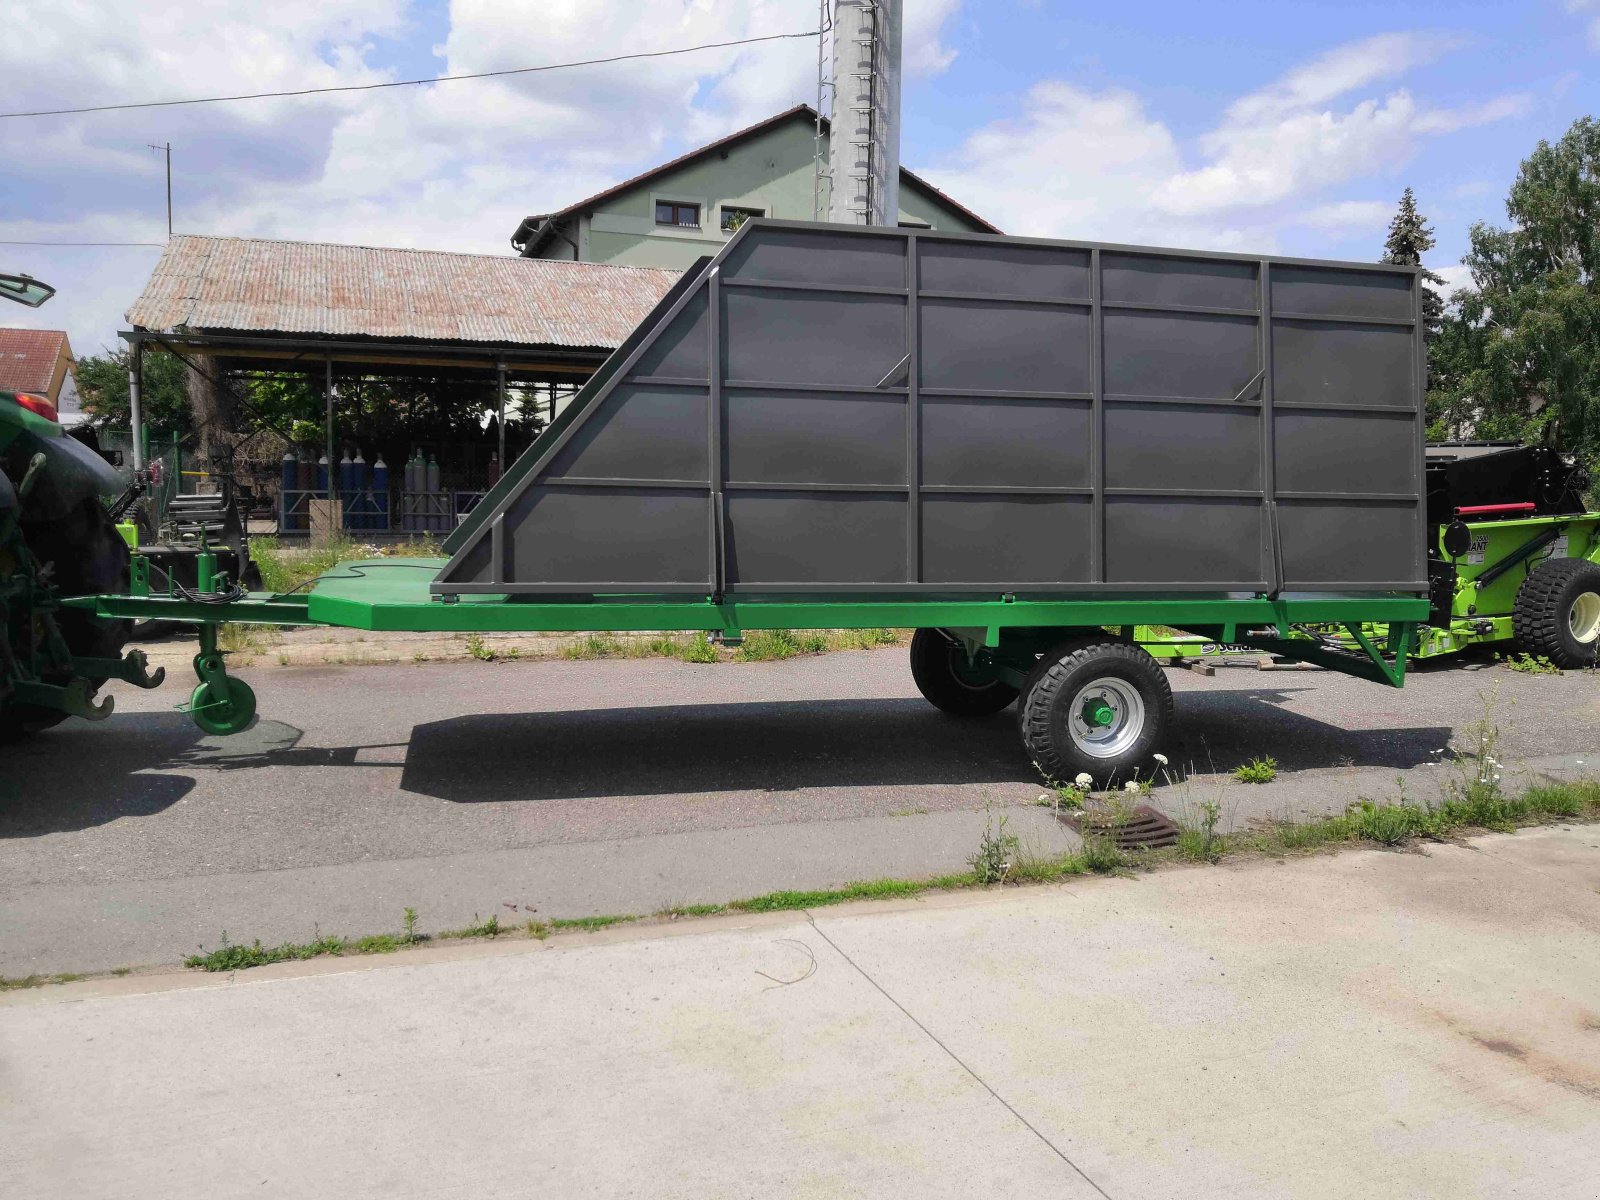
(825, 410)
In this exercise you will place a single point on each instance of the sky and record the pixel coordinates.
(1271, 127)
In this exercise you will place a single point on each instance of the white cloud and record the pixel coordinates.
(1078, 163)
(1348, 214)
(452, 166)
(1454, 276)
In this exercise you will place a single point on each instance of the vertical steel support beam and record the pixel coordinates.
(136, 402)
(497, 550)
(1097, 424)
(1420, 342)
(500, 381)
(1269, 477)
(327, 391)
(913, 279)
(714, 405)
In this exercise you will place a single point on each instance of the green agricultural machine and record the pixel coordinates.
(1513, 563)
(57, 540)
(1032, 452)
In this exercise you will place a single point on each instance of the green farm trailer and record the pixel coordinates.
(1028, 451)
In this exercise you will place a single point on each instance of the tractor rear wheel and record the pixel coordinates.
(945, 675)
(1557, 614)
(1094, 707)
(80, 554)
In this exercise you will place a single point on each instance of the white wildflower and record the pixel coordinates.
(1161, 758)
(1084, 780)
(1131, 786)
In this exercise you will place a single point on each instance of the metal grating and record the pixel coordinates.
(1145, 829)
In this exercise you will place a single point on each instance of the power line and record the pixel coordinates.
(371, 87)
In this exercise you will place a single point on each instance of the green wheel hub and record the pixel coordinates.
(222, 706)
(1097, 714)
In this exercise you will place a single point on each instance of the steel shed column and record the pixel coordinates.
(1269, 479)
(500, 384)
(327, 391)
(136, 403)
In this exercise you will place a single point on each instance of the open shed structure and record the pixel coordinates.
(333, 312)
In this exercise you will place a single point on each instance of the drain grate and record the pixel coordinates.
(1145, 829)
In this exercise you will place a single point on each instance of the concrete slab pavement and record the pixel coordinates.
(1370, 1024)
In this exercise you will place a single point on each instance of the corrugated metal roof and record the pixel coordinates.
(259, 286)
(28, 359)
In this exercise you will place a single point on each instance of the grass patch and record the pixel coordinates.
(1528, 664)
(490, 928)
(1257, 770)
(229, 957)
(874, 889)
(590, 924)
(691, 910)
(284, 568)
(596, 645)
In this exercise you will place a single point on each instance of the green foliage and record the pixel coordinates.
(595, 645)
(478, 648)
(875, 889)
(1520, 356)
(489, 929)
(1528, 664)
(996, 853)
(1410, 237)
(698, 650)
(1257, 770)
(103, 384)
(229, 957)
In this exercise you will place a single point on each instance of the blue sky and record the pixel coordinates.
(1286, 127)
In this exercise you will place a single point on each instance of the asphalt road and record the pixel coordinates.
(575, 787)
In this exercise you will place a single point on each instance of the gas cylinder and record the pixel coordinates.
(380, 493)
(288, 482)
(436, 520)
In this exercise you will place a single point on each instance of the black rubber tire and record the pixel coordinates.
(1541, 618)
(936, 665)
(83, 554)
(1053, 684)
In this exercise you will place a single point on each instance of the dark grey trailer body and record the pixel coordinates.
(826, 410)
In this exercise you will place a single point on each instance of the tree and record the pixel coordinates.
(1520, 356)
(103, 384)
(1410, 236)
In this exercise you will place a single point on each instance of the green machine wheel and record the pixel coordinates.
(949, 682)
(222, 707)
(1557, 615)
(1098, 707)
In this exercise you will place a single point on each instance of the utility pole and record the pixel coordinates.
(864, 145)
(168, 149)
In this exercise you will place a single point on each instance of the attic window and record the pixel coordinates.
(733, 217)
(670, 212)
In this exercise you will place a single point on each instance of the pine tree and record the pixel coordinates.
(1409, 237)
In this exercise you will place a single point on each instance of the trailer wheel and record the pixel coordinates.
(943, 675)
(1095, 707)
(1557, 614)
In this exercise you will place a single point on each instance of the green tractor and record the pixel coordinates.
(57, 539)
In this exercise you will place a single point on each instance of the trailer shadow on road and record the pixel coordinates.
(791, 745)
(140, 764)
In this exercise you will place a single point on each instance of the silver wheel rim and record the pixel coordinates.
(1106, 717)
(1583, 618)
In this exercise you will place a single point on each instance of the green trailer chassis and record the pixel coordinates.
(1002, 634)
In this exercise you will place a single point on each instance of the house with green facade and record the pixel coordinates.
(677, 212)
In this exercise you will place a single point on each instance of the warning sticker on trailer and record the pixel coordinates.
(1478, 547)
(1558, 548)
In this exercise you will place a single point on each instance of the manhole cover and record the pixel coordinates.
(1146, 828)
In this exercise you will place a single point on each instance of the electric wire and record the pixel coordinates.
(394, 83)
